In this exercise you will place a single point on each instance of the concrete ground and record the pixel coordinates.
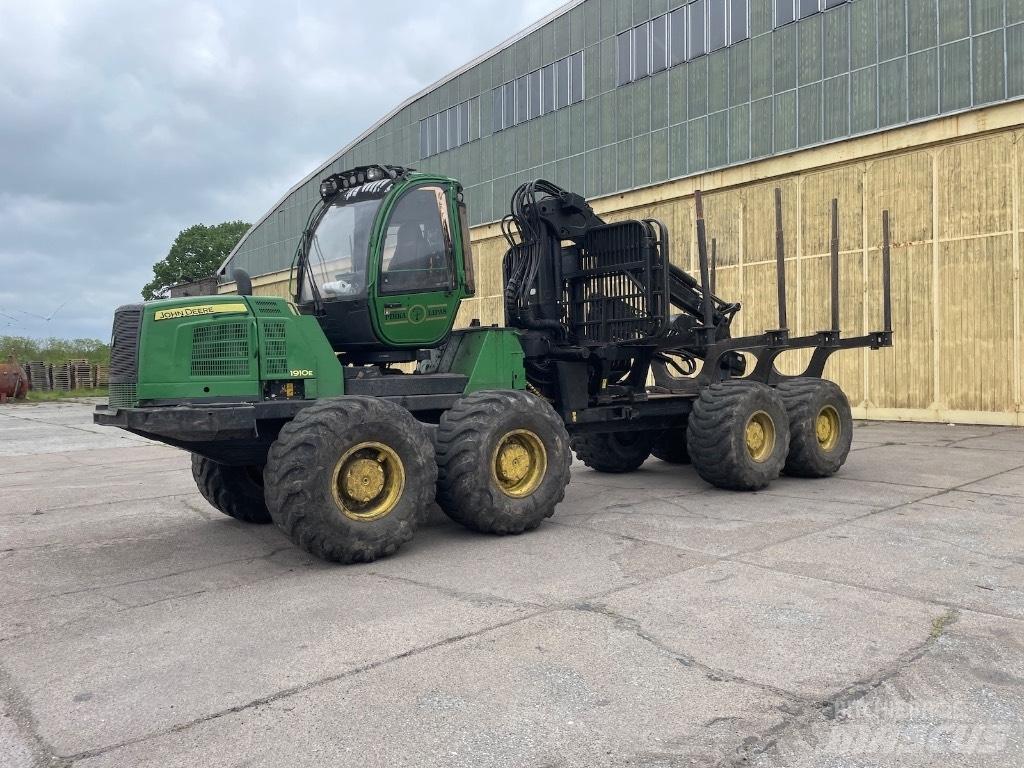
(872, 619)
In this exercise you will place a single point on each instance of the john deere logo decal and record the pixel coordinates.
(198, 310)
(417, 314)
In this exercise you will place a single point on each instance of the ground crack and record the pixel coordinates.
(16, 708)
(632, 625)
(298, 689)
(827, 710)
(477, 598)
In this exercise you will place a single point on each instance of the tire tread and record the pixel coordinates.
(714, 445)
(803, 397)
(228, 491)
(461, 442)
(292, 468)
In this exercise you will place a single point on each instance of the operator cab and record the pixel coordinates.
(384, 262)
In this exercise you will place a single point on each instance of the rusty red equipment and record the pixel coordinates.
(13, 381)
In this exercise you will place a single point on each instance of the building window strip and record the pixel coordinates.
(788, 11)
(453, 127)
(717, 28)
(538, 93)
(659, 43)
(681, 35)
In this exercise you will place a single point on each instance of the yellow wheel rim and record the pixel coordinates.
(760, 436)
(519, 463)
(827, 428)
(368, 481)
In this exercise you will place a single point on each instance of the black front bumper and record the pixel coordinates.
(200, 423)
(234, 433)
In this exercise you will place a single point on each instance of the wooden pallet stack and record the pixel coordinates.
(81, 374)
(39, 375)
(64, 377)
(63, 380)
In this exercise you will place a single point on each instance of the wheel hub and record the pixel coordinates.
(827, 428)
(519, 463)
(364, 479)
(368, 481)
(760, 436)
(513, 463)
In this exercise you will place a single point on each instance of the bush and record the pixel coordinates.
(54, 350)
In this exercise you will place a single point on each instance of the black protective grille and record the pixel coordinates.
(121, 396)
(267, 306)
(275, 348)
(220, 349)
(124, 344)
(620, 292)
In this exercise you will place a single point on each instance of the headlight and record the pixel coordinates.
(328, 187)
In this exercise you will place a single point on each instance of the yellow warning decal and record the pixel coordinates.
(198, 310)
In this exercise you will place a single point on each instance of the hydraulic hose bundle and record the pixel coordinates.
(525, 233)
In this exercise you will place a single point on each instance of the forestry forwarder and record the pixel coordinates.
(295, 413)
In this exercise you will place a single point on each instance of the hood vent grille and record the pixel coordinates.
(221, 349)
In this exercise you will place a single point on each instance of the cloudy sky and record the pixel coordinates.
(123, 122)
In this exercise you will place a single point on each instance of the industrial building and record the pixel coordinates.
(914, 106)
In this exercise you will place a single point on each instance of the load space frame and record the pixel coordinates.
(597, 327)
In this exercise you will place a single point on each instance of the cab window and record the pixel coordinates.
(417, 252)
(336, 265)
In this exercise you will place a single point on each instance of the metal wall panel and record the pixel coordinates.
(988, 67)
(923, 72)
(1014, 11)
(892, 103)
(864, 100)
(1015, 60)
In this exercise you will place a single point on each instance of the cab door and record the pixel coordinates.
(417, 291)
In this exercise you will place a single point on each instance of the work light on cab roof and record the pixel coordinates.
(346, 179)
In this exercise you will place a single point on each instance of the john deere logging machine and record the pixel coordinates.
(295, 413)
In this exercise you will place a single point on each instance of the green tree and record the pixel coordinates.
(195, 254)
(53, 350)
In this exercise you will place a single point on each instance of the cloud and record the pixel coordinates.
(122, 123)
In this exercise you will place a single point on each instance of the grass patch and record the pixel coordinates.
(46, 397)
(939, 625)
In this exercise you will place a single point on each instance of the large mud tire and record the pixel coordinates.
(235, 491)
(670, 447)
(503, 461)
(738, 435)
(613, 452)
(820, 426)
(349, 479)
